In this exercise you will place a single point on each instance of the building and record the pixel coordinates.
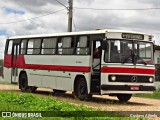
(157, 65)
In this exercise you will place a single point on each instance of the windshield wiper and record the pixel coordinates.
(134, 59)
(127, 58)
(138, 57)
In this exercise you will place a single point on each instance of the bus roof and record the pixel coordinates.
(98, 31)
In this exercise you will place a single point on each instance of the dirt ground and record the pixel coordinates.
(99, 102)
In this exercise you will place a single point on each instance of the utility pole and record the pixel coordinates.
(70, 13)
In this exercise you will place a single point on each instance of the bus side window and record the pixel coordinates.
(82, 46)
(49, 46)
(67, 45)
(23, 46)
(59, 46)
(34, 46)
(9, 49)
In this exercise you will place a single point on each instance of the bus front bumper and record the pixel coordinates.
(127, 88)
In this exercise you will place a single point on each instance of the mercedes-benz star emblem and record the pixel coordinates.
(134, 79)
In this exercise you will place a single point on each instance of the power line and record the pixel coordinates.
(70, 17)
(74, 25)
(62, 4)
(33, 17)
(123, 9)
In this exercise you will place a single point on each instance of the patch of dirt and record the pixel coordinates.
(104, 102)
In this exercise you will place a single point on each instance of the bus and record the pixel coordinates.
(99, 62)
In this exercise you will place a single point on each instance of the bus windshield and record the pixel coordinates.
(129, 51)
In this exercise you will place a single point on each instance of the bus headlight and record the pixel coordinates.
(113, 78)
(151, 79)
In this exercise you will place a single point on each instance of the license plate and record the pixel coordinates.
(134, 88)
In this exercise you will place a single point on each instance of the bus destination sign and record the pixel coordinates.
(133, 36)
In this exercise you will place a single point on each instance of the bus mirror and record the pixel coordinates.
(104, 45)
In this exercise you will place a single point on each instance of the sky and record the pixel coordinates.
(28, 17)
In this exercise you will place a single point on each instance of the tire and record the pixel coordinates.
(23, 82)
(81, 91)
(124, 97)
(32, 89)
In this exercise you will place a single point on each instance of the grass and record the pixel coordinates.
(7, 107)
(155, 95)
(34, 103)
(10, 101)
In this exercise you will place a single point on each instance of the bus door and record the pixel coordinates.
(96, 67)
(15, 53)
(97, 52)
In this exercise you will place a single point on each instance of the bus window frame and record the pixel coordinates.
(75, 38)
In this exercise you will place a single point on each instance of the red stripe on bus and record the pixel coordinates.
(127, 70)
(21, 64)
(58, 68)
(8, 61)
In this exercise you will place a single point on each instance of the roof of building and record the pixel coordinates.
(156, 47)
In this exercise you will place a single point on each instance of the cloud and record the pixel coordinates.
(37, 6)
(2, 46)
(12, 10)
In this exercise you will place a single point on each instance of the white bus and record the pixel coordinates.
(100, 62)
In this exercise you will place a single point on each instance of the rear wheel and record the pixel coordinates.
(81, 91)
(23, 82)
(32, 89)
(124, 97)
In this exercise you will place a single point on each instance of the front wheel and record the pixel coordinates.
(124, 97)
(81, 91)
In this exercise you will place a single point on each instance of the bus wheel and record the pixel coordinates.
(124, 97)
(23, 82)
(81, 91)
(32, 89)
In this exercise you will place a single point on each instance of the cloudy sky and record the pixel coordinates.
(23, 17)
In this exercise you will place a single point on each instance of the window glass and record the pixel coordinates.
(34, 46)
(30, 47)
(49, 45)
(60, 47)
(10, 44)
(23, 46)
(126, 48)
(119, 51)
(67, 45)
(128, 51)
(143, 52)
(82, 45)
(97, 49)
